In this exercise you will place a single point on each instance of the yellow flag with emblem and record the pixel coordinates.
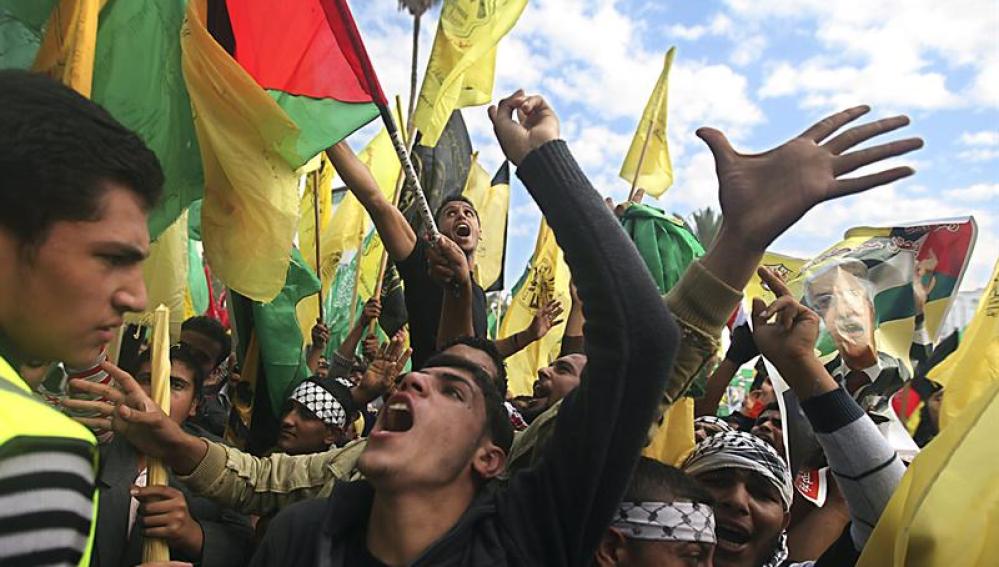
(648, 156)
(973, 368)
(547, 277)
(69, 44)
(673, 440)
(463, 61)
(491, 198)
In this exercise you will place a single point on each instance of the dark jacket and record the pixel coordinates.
(555, 512)
(227, 533)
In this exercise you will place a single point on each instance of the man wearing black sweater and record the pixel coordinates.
(431, 452)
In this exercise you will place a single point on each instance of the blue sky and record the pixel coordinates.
(760, 71)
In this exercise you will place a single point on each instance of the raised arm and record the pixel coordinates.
(866, 467)
(395, 232)
(542, 322)
(563, 505)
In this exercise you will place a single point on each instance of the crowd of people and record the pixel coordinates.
(440, 465)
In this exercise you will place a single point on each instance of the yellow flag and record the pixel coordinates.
(656, 172)
(250, 211)
(165, 274)
(348, 223)
(547, 277)
(67, 50)
(974, 367)
(674, 438)
(943, 513)
(463, 61)
(787, 268)
(492, 202)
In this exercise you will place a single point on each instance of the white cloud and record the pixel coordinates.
(983, 146)
(976, 192)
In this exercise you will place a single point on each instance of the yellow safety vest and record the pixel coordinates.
(24, 416)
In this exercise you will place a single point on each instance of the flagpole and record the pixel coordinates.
(316, 177)
(420, 201)
(407, 139)
(641, 159)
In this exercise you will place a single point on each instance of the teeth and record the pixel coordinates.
(398, 406)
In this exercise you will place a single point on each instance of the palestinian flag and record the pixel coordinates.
(308, 56)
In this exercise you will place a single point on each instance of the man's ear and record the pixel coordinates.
(489, 460)
(194, 408)
(612, 549)
(329, 439)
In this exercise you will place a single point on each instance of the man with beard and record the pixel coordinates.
(751, 483)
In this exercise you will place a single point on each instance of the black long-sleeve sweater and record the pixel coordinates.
(555, 512)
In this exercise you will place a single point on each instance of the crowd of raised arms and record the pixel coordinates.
(441, 465)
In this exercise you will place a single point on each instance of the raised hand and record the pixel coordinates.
(128, 411)
(372, 310)
(320, 335)
(763, 194)
(380, 376)
(535, 126)
(447, 263)
(791, 336)
(545, 318)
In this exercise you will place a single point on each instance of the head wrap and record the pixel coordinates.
(321, 401)
(718, 422)
(666, 521)
(741, 450)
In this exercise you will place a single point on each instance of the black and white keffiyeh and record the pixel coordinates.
(666, 521)
(321, 402)
(741, 450)
(710, 420)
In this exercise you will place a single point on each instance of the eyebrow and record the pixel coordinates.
(129, 251)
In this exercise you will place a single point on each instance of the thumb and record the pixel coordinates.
(718, 144)
(759, 306)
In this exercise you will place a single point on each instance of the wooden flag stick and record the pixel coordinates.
(383, 266)
(156, 549)
(641, 158)
(316, 177)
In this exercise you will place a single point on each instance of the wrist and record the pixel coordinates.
(732, 259)
(191, 540)
(184, 453)
(805, 374)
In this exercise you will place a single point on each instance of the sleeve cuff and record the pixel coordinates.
(831, 411)
(702, 300)
(208, 470)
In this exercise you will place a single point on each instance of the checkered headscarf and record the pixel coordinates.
(712, 420)
(666, 521)
(321, 402)
(741, 450)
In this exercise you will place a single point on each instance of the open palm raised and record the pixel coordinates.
(763, 194)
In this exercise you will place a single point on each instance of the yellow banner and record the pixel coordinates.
(674, 438)
(492, 203)
(650, 147)
(463, 61)
(165, 274)
(250, 212)
(67, 50)
(547, 278)
(973, 368)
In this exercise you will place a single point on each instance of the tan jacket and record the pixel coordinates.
(700, 303)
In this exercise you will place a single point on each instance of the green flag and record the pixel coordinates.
(663, 243)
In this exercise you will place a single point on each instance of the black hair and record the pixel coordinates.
(761, 375)
(488, 347)
(183, 354)
(57, 154)
(213, 329)
(772, 406)
(497, 418)
(653, 481)
(452, 199)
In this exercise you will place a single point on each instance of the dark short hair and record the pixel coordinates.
(772, 406)
(488, 347)
(58, 151)
(183, 354)
(213, 329)
(653, 481)
(497, 424)
(452, 199)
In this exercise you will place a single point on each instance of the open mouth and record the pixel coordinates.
(850, 327)
(734, 535)
(462, 230)
(398, 417)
